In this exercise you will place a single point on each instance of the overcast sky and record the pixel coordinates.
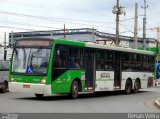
(31, 15)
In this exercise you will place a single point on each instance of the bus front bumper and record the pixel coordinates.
(29, 88)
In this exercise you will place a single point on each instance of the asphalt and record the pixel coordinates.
(157, 101)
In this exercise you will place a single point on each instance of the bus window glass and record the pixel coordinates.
(104, 60)
(108, 60)
(20, 59)
(151, 64)
(39, 60)
(30, 60)
(100, 60)
(60, 58)
(75, 58)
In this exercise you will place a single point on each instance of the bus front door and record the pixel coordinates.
(117, 70)
(89, 69)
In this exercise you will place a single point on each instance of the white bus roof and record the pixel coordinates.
(115, 48)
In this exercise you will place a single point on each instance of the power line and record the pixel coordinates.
(3, 0)
(47, 18)
(11, 27)
(127, 25)
(127, 28)
(37, 25)
(40, 6)
(125, 32)
(127, 19)
(51, 19)
(26, 24)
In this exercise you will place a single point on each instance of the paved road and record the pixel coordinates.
(109, 102)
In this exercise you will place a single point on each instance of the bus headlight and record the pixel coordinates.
(12, 79)
(43, 81)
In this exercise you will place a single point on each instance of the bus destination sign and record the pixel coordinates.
(33, 43)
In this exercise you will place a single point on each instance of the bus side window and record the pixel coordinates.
(75, 58)
(100, 60)
(76, 63)
(60, 58)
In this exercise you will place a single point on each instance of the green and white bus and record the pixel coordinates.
(43, 66)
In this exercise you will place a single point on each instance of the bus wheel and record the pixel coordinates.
(128, 87)
(136, 86)
(39, 96)
(74, 90)
(4, 87)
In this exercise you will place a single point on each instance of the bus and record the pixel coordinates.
(43, 66)
(157, 74)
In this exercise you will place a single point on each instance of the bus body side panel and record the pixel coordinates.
(63, 83)
(144, 77)
(49, 75)
(104, 81)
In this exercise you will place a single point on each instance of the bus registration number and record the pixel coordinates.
(26, 86)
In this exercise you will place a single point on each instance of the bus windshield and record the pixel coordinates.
(30, 60)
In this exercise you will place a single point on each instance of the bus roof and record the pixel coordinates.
(115, 48)
(91, 45)
(101, 46)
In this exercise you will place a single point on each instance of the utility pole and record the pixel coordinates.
(11, 42)
(64, 31)
(157, 41)
(5, 40)
(117, 9)
(136, 26)
(144, 23)
(5, 50)
(158, 33)
(93, 32)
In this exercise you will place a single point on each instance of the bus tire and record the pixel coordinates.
(128, 87)
(136, 86)
(4, 87)
(74, 90)
(39, 96)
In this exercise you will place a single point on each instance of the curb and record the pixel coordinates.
(157, 103)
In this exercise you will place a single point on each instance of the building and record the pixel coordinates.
(5, 53)
(83, 34)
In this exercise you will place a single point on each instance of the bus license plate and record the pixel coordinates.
(26, 86)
